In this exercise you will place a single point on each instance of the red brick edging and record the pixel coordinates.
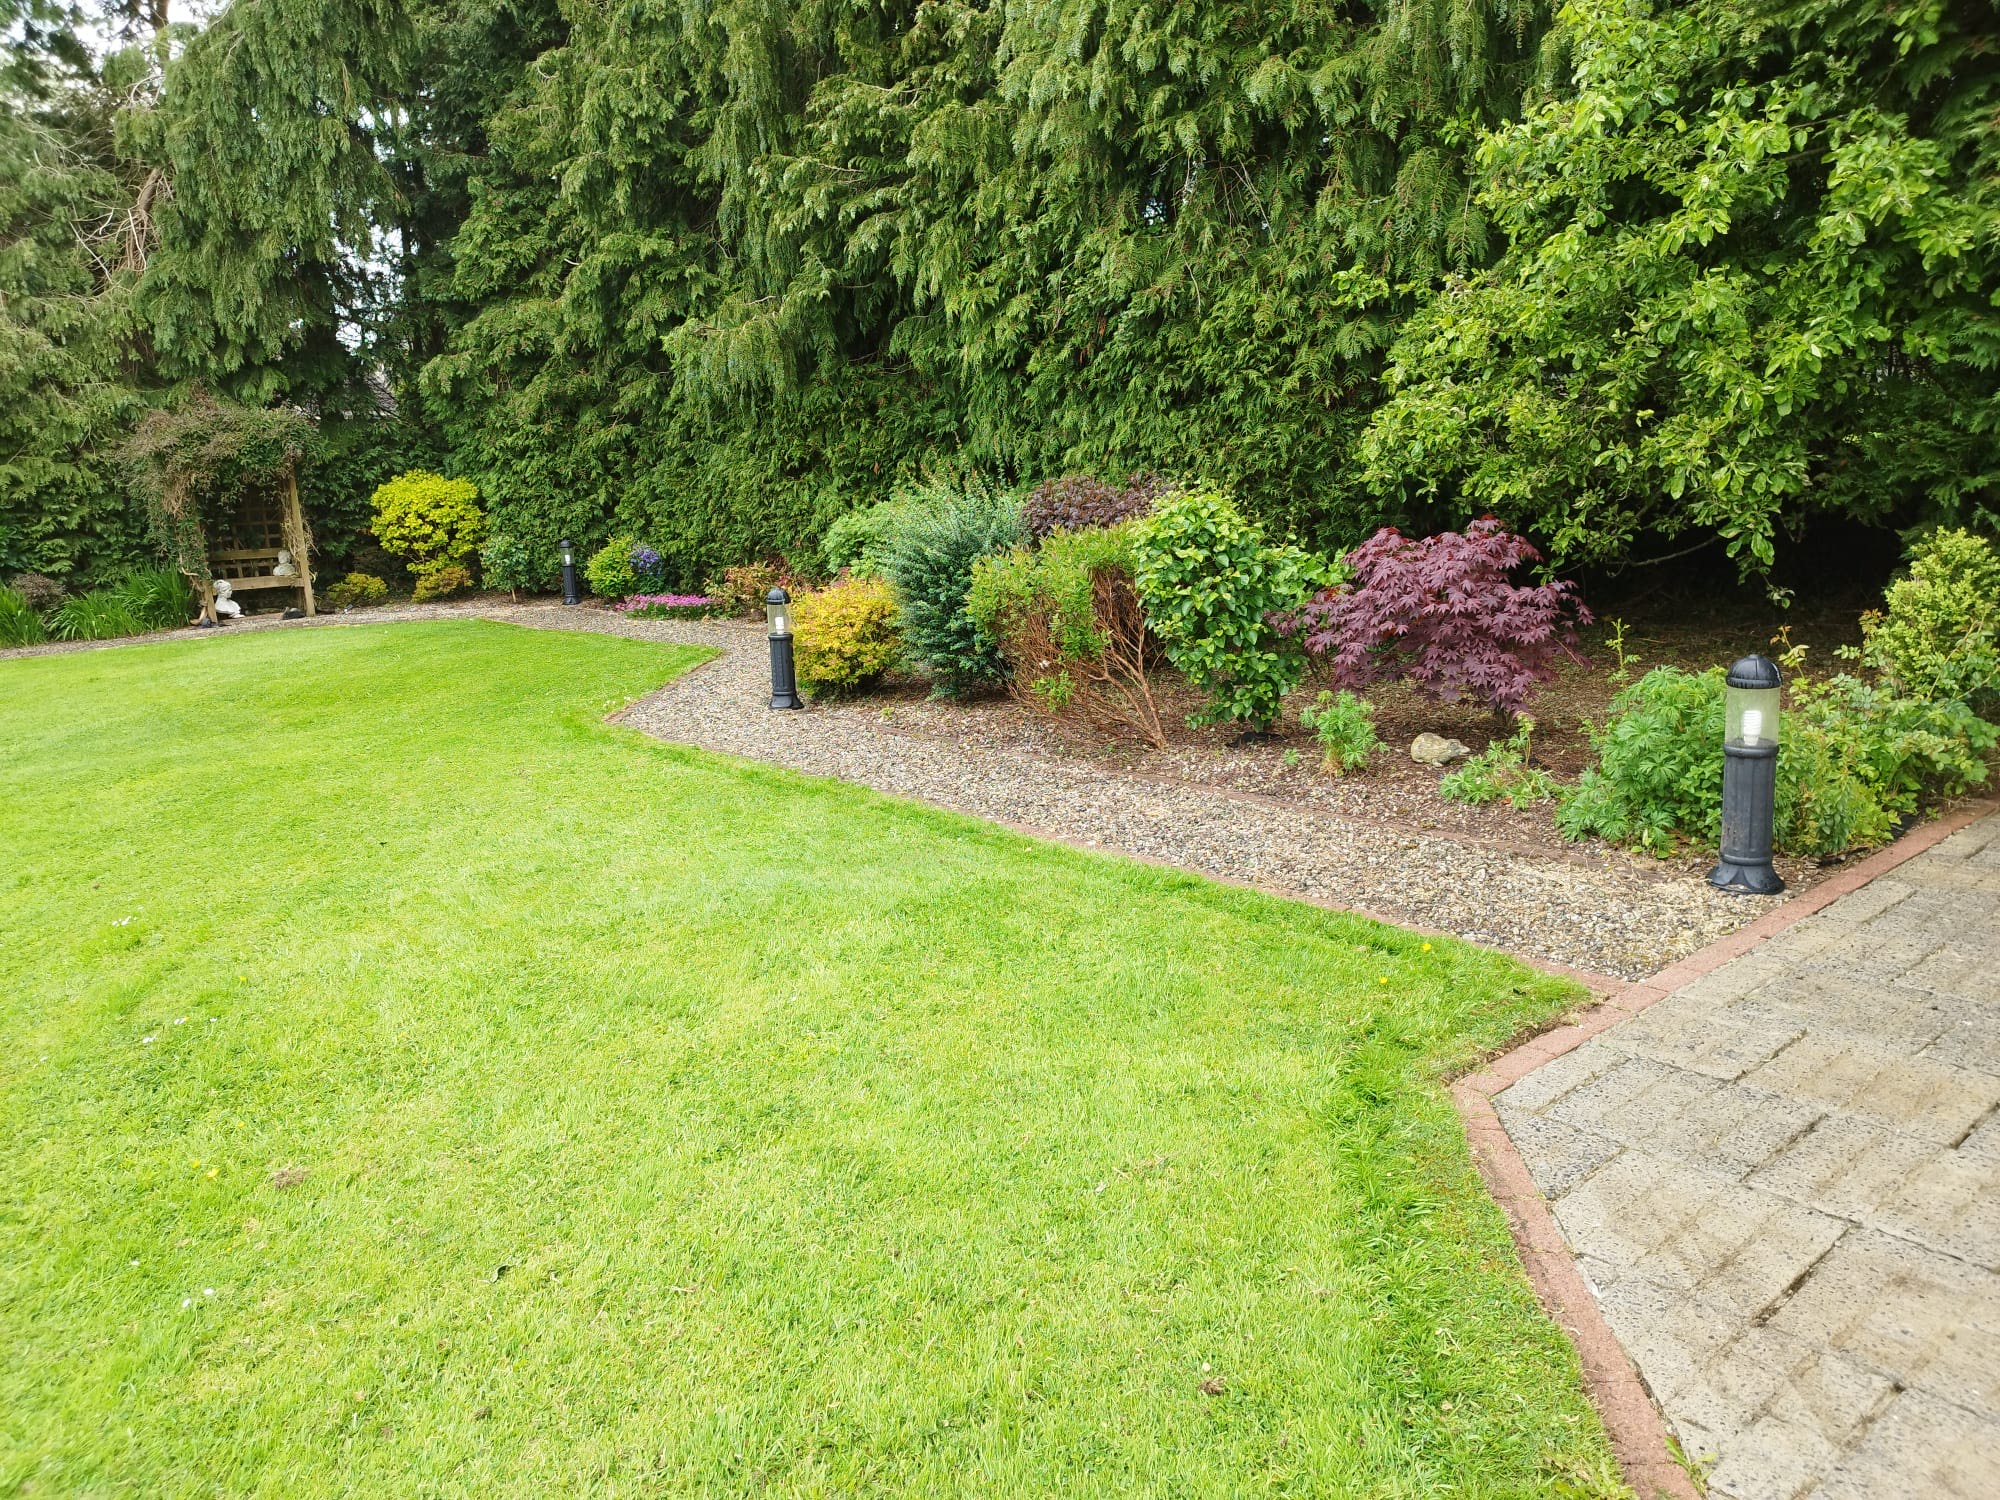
(1637, 1431)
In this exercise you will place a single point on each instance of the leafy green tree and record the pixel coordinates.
(1749, 280)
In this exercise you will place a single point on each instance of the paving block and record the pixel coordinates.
(1862, 1078)
(1865, 905)
(1695, 1232)
(1972, 1043)
(1844, 1166)
(1717, 1126)
(1773, 1460)
(1559, 1155)
(1920, 1447)
(1985, 1137)
(1722, 1046)
(1827, 1005)
(1556, 1078)
(1762, 1372)
(1951, 1203)
(1927, 1320)
(1672, 1337)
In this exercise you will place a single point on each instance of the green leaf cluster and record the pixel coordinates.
(609, 572)
(1344, 725)
(1939, 638)
(1210, 583)
(1748, 281)
(1854, 761)
(1502, 769)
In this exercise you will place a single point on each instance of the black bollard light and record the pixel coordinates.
(784, 677)
(570, 594)
(1749, 778)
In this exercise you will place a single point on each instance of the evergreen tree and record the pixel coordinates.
(73, 232)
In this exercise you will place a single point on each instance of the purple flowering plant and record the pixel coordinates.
(648, 565)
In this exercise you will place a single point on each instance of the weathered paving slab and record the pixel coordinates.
(1782, 1183)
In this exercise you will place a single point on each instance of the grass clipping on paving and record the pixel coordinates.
(415, 1085)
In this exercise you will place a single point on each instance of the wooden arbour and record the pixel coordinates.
(268, 519)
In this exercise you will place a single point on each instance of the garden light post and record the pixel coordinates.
(784, 677)
(1749, 778)
(570, 595)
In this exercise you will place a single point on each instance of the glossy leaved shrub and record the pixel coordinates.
(1214, 591)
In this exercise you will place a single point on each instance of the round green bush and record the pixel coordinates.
(429, 520)
(610, 573)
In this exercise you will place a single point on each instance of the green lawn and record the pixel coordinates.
(676, 1126)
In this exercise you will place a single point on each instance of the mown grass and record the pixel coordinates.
(669, 1125)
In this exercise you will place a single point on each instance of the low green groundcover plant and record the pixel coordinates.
(1856, 760)
(553, 1111)
(1503, 769)
(1344, 723)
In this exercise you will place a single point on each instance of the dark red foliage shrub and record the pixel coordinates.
(1076, 502)
(1440, 612)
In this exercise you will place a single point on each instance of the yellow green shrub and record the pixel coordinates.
(844, 637)
(428, 520)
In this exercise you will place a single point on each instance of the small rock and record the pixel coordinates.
(1435, 750)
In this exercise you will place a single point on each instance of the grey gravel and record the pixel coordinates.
(1606, 912)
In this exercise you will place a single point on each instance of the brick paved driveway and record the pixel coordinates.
(1783, 1184)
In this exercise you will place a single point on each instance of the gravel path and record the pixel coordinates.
(1604, 911)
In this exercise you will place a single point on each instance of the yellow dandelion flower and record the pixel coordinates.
(213, 1170)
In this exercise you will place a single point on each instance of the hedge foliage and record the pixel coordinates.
(1632, 276)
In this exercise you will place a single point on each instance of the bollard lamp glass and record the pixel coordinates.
(1750, 702)
(778, 612)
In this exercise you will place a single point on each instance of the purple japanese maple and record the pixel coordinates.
(1440, 612)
